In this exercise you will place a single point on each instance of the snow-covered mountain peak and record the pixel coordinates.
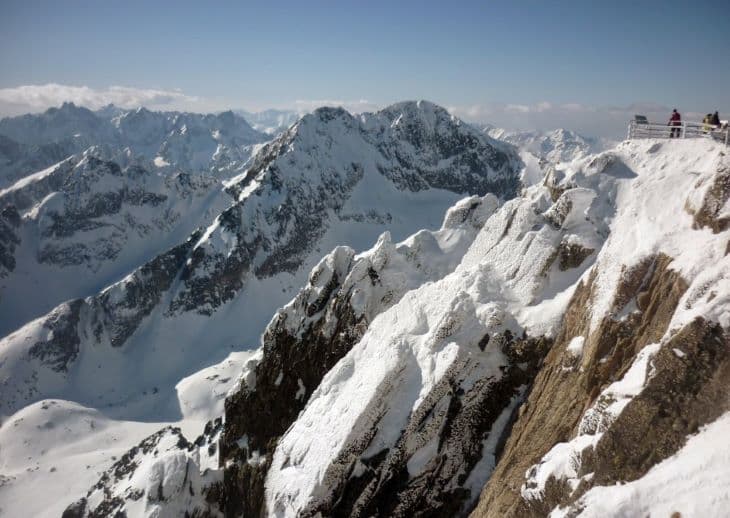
(425, 111)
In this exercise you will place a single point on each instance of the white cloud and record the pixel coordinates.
(517, 108)
(34, 98)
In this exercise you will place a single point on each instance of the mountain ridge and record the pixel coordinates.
(331, 179)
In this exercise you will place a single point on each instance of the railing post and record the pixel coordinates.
(630, 135)
(727, 132)
(684, 130)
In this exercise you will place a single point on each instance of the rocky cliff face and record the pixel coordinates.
(630, 379)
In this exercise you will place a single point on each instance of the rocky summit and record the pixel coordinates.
(383, 314)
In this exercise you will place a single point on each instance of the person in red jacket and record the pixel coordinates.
(675, 120)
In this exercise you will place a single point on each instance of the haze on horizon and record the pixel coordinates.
(520, 65)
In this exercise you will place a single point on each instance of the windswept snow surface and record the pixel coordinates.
(623, 205)
(693, 482)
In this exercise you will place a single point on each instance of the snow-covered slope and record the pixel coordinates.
(18, 160)
(219, 144)
(332, 179)
(84, 223)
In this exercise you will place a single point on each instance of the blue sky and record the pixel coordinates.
(476, 57)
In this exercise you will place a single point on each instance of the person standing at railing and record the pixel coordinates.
(675, 120)
(707, 123)
(715, 121)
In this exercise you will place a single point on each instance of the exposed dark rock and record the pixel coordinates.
(290, 370)
(61, 347)
(572, 255)
(683, 394)
(569, 255)
(561, 392)
(458, 416)
(9, 223)
(709, 214)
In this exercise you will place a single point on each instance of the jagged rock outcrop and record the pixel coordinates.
(164, 475)
(312, 333)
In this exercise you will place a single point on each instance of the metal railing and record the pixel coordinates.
(641, 128)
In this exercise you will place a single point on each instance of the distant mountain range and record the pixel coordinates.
(219, 144)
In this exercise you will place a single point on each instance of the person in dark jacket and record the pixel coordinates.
(715, 121)
(675, 120)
